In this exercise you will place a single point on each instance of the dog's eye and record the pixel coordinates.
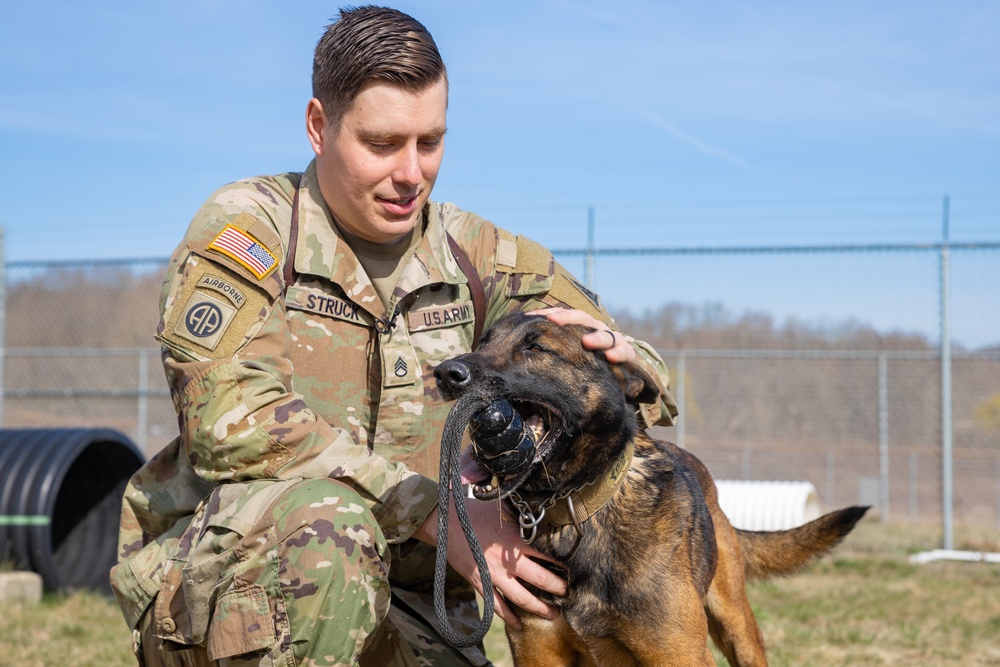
(530, 343)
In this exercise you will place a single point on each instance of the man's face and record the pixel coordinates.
(376, 170)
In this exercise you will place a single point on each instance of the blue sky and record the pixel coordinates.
(682, 123)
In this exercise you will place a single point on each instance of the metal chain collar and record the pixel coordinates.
(529, 518)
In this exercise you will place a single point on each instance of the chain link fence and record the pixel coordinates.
(812, 363)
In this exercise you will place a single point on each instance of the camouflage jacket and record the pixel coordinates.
(316, 378)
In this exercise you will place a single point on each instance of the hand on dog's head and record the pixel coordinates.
(636, 382)
(522, 329)
(507, 351)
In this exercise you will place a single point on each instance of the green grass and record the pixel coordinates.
(81, 629)
(866, 604)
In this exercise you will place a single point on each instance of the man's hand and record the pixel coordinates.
(615, 345)
(506, 555)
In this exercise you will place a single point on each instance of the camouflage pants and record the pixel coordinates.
(298, 573)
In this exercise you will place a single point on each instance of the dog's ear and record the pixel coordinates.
(636, 382)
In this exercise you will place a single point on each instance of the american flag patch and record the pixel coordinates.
(245, 249)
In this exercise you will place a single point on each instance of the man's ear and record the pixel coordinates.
(636, 382)
(316, 124)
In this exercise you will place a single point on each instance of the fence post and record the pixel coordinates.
(681, 399)
(831, 463)
(883, 437)
(588, 266)
(947, 541)
(142, 406)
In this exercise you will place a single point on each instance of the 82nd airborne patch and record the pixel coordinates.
(204, 320)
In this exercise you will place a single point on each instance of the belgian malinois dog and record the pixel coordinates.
(654, 566)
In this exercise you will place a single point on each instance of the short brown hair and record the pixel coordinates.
(372, 44)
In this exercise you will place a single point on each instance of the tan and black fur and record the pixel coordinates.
(658, 568)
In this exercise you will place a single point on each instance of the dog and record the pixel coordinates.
(655, 567)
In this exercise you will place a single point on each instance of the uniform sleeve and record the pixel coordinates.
(520, 274)
(226, 350)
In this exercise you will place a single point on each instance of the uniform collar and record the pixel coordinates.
(322, 251)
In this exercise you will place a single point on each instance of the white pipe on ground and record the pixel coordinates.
(768, 505)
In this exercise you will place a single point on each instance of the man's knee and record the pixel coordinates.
(327, 516)
(333, 568)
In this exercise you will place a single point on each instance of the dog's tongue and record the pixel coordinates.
(472, 472)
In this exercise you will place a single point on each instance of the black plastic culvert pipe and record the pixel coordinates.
(60, 501)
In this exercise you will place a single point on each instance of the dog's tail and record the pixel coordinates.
(768, 554)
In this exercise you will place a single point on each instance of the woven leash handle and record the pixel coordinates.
(450, 485)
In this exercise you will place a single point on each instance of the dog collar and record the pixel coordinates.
(577, 505)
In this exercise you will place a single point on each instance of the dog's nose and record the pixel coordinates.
(452, 375)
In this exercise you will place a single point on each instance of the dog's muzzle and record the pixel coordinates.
(502, 443)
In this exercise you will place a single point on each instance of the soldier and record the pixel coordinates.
(294, 518)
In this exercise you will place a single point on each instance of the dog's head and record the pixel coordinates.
(581, 407)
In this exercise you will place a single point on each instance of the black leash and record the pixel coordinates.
(451, 481)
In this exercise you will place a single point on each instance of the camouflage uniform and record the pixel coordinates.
(277, 526)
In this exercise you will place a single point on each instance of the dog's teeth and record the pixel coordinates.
(495, 482)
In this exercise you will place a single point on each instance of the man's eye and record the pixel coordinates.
(430, 145)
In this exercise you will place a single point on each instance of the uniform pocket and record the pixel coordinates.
(241, 624)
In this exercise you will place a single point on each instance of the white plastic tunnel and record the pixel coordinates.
(768, 505)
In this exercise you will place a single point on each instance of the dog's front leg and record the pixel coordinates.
(543, 643)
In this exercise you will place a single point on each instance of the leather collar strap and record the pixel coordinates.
(293, 241)
(588, 501)
(475, 287)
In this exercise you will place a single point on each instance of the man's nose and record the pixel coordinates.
(408, 170)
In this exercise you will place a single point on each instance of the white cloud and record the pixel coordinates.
(698, 144)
